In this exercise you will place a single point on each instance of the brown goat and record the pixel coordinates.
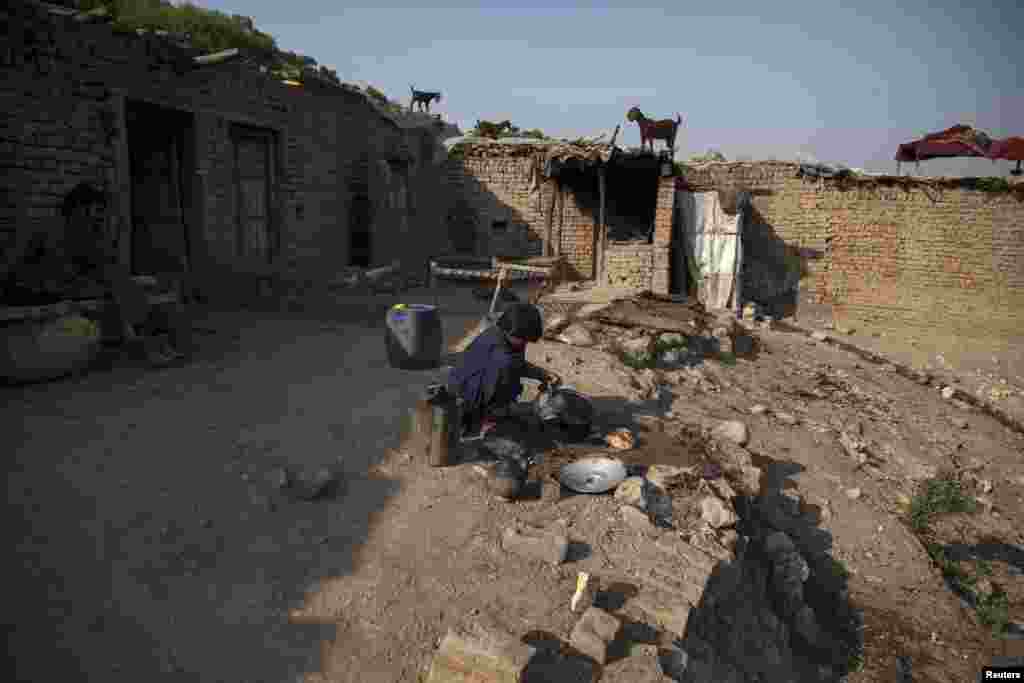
(651, 130)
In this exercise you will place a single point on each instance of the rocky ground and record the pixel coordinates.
(808, 487)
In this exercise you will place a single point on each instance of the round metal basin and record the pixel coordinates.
(595, 474)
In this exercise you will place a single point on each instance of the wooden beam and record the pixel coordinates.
(217, 57)
(548, 194)
(122, 161)
(602, 235)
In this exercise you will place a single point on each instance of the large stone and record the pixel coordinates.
(631, 492)
(478, 653)
(576, 335)
(555, 324)
(636, 669)
(778, 543)
(636, 346)
(663, 610)
(664, 476)
(592, 634)
(543, 545)
(786, 418)
(734, 431)
(716, 513)
(806, 624)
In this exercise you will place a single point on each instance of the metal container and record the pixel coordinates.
(446, 418)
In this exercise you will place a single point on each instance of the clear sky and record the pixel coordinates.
(829, 80)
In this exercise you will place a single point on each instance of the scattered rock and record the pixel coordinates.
(853, 494)
(806, 624)
(672, 358)
(280, 478)
(639, 345)
(854, 446)
(751, 479)
(663, 610)
(576, 335)
(635, 518)
(665, 476)
(672, 339)
(818, 335)
(786, 418)
(311, 486)
(631, 492)
(734, 431)
(555, 323)
(959, 422)
(537, 544)
(491, 654)
(789, 572)
(642, 668)
(592, 634)
(759, 409)
(716, 513)
(778, 543)
(948, 393)
(621, 439)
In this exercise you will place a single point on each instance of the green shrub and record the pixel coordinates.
(938, 496)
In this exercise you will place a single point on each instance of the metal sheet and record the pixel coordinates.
(596, 474)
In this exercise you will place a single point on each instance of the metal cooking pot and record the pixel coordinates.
(566, 408)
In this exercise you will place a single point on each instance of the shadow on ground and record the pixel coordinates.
(143, 508)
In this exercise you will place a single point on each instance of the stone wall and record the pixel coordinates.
(65, 87)
(883, 252)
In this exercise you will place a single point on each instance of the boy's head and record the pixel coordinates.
(522, 324)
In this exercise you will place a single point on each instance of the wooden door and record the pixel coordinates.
(253, 179)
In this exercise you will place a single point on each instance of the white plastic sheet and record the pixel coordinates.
(712, 245)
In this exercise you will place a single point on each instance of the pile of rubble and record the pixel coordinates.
(713, 599)
(636, 330)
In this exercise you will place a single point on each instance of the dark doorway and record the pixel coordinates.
(160, 163)
(360, 220)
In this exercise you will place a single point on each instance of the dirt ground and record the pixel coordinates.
(150, 538)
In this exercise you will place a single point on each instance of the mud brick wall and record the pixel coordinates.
(496, 190)
(485, 189)
(948, 259)
(663, 216)
(64, 86)
(629, 264)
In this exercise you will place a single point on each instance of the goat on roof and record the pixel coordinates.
(651, 130)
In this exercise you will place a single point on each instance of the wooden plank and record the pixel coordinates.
(18, 313)
(123, 198)
(602, 237)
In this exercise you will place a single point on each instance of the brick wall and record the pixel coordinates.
(629, 265)
(486, 189)
(63, 88)
(920, 254)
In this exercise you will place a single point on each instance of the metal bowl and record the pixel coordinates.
(595, 474)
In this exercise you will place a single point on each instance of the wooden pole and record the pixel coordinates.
(602, 237)
(549, 217)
